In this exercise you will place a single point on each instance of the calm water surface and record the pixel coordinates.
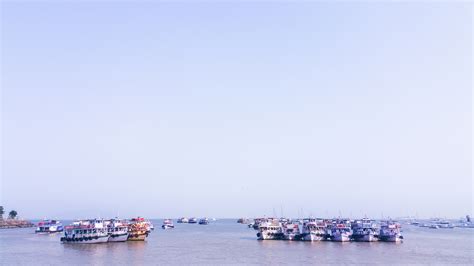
(226, 242)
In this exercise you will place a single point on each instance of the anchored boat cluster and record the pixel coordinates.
(99, 230)
(340, 230)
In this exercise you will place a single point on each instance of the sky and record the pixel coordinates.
(236, 109)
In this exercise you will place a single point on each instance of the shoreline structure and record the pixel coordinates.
(15, 223)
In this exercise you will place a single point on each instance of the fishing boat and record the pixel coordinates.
(390, 232)
(138, 229)
(313, 230)
(167, 224)
(49, 226)
(269, 231)
(86, 232)
(183, 220)
(365, 230)
(117, 230)
(193, 220)
(204, 221)
(291, 231)
(341, 231)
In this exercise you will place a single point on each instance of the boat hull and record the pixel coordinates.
(266, 236)
(50, 231)
(137, 237)
(291, 237)
(85, 240)
(313, 237)
(118, 238)
(341, 238)
(167, 226)
(366, 238)
(395, 238)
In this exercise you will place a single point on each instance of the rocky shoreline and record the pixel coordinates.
(14, 223)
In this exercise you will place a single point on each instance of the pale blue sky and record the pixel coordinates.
(236, 109)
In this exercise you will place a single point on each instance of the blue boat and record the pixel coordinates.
(204, 221)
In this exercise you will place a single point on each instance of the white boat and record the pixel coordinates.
(313, 230)
(445, 224)
(365, 230)
(291, 231)
(167, 224)
(86, 232)
(183, 220)
(117, 229)
(269, 231)
(390, 232)
(341, 231)
(49, 226)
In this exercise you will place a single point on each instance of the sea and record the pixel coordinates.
(225, 242)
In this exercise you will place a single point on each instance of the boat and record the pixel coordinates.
(243, 221)
(291, 231)
(314, 230)
(204, 221)
(138, 229)
(183, 220)
(465, 223)
(117, 230)
(49, 226)
(390, 232)
(365, 230)
(192, 220)
(167, 224)
(445, 225)
(341, 231)
(269, 231)
(258, 221)
(86, 232)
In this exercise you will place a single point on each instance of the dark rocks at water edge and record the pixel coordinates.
(15, 223)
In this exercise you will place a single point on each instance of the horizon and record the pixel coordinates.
(236, 109)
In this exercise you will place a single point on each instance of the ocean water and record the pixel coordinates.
(226, 242)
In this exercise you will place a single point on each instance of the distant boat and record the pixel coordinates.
(183, 220)
(193, 220)
(243, 221)
(49, 226)
(204, 221)
(167, 224)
